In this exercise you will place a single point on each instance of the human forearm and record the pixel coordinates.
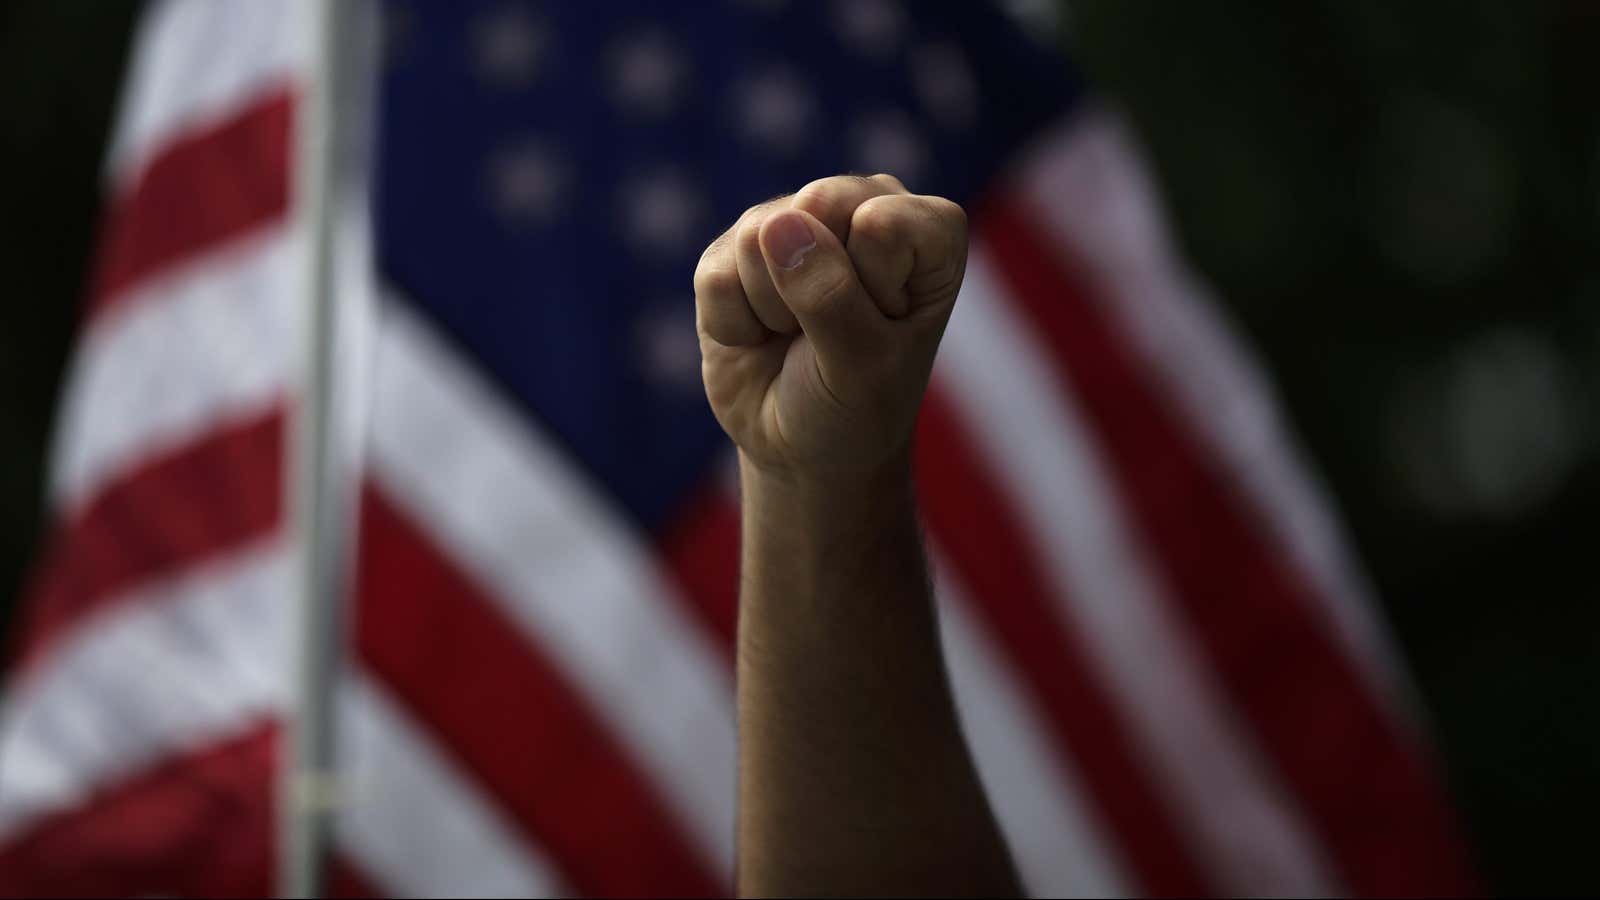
(854, 777)
(819, 315)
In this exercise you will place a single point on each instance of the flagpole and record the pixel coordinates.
(317, 496)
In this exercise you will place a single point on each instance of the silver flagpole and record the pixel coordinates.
(318, 498)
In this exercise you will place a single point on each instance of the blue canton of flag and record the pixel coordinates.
(548, 176)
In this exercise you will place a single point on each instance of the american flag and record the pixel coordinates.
(1166, 661)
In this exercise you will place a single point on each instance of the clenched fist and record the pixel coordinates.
(819, 314)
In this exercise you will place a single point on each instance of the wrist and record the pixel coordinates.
(827, 509)
(803, 487)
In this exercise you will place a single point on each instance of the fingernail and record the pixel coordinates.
(789, 239)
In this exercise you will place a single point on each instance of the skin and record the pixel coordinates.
(819, 315)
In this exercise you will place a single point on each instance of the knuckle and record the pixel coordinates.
(950, 213)
(833, 197)
(819, 198)
(748, 239)
(946, 222)
(833, 200)
(747, 231)
(880, 219)
(751, 216)
(740, 225)
(727, 325)
(886, 180)
(719, 329)
(716, 279)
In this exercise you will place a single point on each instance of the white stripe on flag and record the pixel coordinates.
(1116, 230)
(416, 824)
(211, 341)
(1051, 830)
(193, 662)
(203, 344)
(194, 62)
(182, 664)
(505, 505)
(1026, 423)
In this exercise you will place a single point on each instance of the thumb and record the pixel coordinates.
(818, 282)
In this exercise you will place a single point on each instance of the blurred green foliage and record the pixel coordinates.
(1399, 202)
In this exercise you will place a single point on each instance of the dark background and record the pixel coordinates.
(1400, 202)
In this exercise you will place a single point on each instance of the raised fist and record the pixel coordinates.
(819, 314)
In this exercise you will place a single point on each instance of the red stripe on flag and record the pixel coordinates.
(998, 563)
(512, 720)
(200, 190)
(701, 550)
(196, 825)
(173, 511)
(1368, 793)
(200, 824)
